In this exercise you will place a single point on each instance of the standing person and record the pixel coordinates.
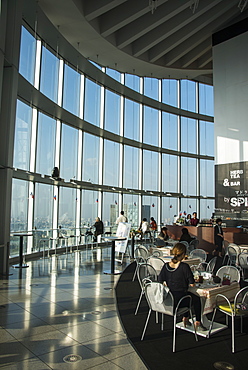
(121, 218)
(98, 228)
(177, 276)
(144, 227)
(153, 224)
(188, 219)
(218, 237)
(194, 220)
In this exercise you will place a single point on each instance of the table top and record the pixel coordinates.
(21, 234)
(210, 291)
(115, 237)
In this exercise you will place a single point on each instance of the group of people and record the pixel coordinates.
(192, 220)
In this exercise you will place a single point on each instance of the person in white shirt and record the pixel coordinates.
(121, 218)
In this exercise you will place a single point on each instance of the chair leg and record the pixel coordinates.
(233, 344)
(162, 324)
(174, 334)
(156, 317)
(138, 304)
(135, 272)
(191, 316)
(148, 317)
(212, 321)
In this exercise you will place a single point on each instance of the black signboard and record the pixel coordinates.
(231, 188)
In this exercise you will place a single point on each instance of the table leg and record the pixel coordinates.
(20, 264)
(132, 246)
(112, 270)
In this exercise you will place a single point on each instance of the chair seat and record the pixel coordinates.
(227, 309)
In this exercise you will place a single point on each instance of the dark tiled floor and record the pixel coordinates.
(60, 306)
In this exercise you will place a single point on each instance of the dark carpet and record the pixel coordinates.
(156, 348)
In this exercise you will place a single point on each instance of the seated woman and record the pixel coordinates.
(178, 276)
(185, 237)
(164, 234)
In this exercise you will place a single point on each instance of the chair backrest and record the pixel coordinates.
(185, 243)
(194, 243)
(159, 298)
(242, 297)
(156, 262)
(157, 253)
(199, 253)
(146, 272)
(211, 265)
(243, 260)
(141, 251)
(232, 271)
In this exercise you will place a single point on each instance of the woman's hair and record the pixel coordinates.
(179, 251)
(185, 230)
(152, 219)
(163, 229)
(218, 220)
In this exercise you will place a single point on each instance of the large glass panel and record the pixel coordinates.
(132, 81)
(114, 74)
(89, 207)
(69, 152)
(206, 178)
(90, 158)
(151, 87)
(112, 112)
(170, 92)
(206, 99)
(150, 170)
(189, 176)
(49, 74)
(71, 90)
(206, 138)
(169, 173)
(188, 206)
(19, 206)
(111, 163)
(27, 55)
(110, 209)
(188, 95)
(131, 167)
(46, 135)
(19, 214)
(95, 64)
(92, 102)
(132, 120)
(149, 208)
(43, 207)
(206, 209)
(22, 136)
(169, 131)
(150, 132)
(131, 209)
(188, 135)
(169, 210)
(67, 208)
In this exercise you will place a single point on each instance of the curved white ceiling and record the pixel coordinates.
(175, 40)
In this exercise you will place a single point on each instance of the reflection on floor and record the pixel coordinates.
(59, 313)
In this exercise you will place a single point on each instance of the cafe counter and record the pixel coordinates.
(205, 235)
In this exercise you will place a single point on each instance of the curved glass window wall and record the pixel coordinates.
(148, 152)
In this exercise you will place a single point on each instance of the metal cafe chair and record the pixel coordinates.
(146, 273)
(243, 264)
(160, 300)
(140, 254)
(238, 308)
(232, 271)
(199, 253)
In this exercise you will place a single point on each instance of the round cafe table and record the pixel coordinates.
(113, 239)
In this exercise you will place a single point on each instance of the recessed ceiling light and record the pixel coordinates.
(233, 129)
